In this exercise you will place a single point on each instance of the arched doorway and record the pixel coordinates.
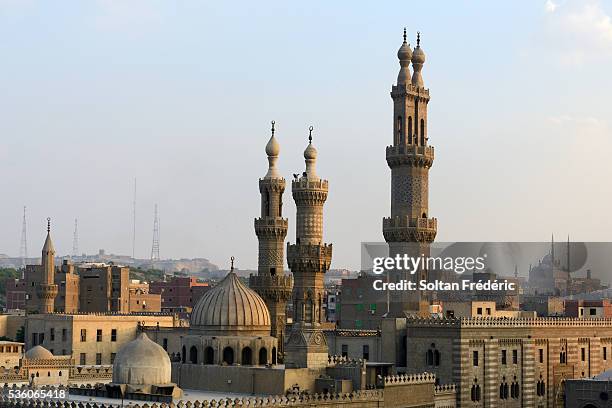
(273, 355)
(209, 355)
(263, 356)
(247, 356)
(228, 355)
(184, 355)
(193, 355)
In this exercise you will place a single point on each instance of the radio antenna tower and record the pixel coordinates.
(155, 247)
(134, 223)
(75, 240)
(23, 250)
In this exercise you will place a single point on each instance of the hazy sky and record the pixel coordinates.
(180, 95)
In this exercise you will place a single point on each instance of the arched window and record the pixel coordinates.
(184, 355)
(193, 355)
(209, 355)
(400, 133)
(475, 392)
(308, 311)
(422, 132)
(410, 130)
(273, 355)
(267, 204)
(228, 355)
(429, 357)
(436, 357)
(247, 356)
(60, 373)
(263, 356)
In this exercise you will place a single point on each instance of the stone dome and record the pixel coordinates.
(418, 56)
(310, 153)
(142, 362)
(273, 147)
(405, 52)
(38, 353)
(231, 308)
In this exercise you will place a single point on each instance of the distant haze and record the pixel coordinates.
(180, 96)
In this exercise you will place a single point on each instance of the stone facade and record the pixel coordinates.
(509, 362)
(309, 258)
(89, 338)
(271, 283)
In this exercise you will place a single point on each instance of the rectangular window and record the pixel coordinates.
(165, 344)
(479, 311)
(503, 357)
(99, 335)
(114, 335)
(41, 338)
(64, 334)
(514, 356)
(592, 312)
(113, 358)
(605, 353)
(373, 307)
(583, 354)
(83, 335)
(366, 352)
(475, 358)
(345, 350)
(489, 311)
(52, 334)
(98, 358)
(83, 359)
(34, 339)
(541, 355)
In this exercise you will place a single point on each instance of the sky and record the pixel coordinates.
(180, 95)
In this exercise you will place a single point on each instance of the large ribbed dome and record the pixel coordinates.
(142, 362)
(231, 308)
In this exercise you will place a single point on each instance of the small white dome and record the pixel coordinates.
(273, 147)
(142, 362)
(418, 56)
(310, 153)
(38, 353)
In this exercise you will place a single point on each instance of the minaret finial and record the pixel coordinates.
(418, 38)
(310, 134)
(273, 127)
(48, 224)
(232, 263)
(404, 35)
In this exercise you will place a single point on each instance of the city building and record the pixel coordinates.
(588, 309)
(179, 293)
(594, 392)
(10, 354)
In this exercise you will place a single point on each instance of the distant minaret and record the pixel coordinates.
(409, 230)
(309, 258)
(47, 289)
(271, 283)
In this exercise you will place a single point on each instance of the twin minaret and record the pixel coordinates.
(308, 258)
(410, 230)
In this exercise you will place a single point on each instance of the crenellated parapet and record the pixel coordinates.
(505, 322)
(276, 185)
(344, 361)
(271, 227)
(272, 287)
(409, 229)
(405, 90)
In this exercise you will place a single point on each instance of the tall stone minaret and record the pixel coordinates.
(47, 289)
(271, 283)
(410, 230)
(309, 258)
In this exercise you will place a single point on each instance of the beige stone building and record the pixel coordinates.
(90, 339)
(10, 354)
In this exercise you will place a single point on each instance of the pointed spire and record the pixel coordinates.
(404, 35)
(232, 264)
(272, 150)
(418, 38)
(48, 225)
(48, 246)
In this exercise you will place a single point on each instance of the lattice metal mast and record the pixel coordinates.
(155, 246)
(134, 223)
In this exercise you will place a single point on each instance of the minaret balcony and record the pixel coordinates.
(303, 183)
(271, 225)
(309, 257)
(273, 286)
(409, 229)
(409, 89)
(413, 155)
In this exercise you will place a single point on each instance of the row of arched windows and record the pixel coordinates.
(411, 139)
(514, 389)
(541, 388)
(228, 356)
